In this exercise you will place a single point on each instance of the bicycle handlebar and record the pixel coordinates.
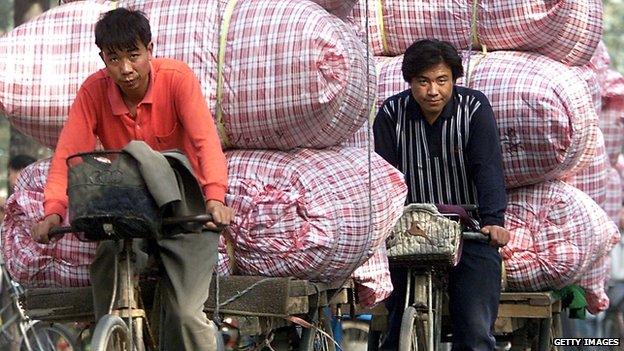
(477, 236)
(204, 218)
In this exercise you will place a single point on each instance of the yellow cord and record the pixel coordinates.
(225, 26)
(382, 26)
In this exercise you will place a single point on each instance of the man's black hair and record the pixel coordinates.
(121, 29)
(427, 53)
(19, 162)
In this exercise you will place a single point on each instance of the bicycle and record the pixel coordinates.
(19, 332)
(126, 326)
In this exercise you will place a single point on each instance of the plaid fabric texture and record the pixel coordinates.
(373, 283)
(546, 118)
(612, 114)
(612, 125)
(306, 213)
(619, 167)
(336, 7)
(600, 62)
(564, 30)
(593, 179)
(43, 63)
(558, 237)
(615, 194)
(64, 263)
(294, 75)
(613, 88)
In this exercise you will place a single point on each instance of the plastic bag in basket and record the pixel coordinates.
(423, 234)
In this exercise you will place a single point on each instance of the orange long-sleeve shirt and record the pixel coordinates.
(172, 115)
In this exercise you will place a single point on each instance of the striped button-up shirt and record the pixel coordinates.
(456, 160)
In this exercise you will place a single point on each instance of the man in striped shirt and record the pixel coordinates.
(445, 141)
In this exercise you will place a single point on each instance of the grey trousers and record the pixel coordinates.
(188, 260)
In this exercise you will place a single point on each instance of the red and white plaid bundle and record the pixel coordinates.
(546, 121)
(337, 7)
(564, 30)
(63, 263)
(373, 282)
(558, 237)
(593, 179)
(311, 214)
(612, 125)
(600, 62)
(615, 194)
(293, 75)
(612, 115)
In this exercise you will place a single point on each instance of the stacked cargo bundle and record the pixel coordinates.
(545, 91)
(63, 263)
(612, 123)
(287, 81)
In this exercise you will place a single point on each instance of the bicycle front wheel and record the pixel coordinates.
(111, 334)
(44, 336)
(412, 337)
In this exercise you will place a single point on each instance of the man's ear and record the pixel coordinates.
(150, 49)
(102, 56)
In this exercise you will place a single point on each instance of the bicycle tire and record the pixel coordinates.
(412, 336)
(354, 334)
(111, 334)
(320, 338)
(43, 336)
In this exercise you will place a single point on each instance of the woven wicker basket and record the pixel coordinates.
(424, 235)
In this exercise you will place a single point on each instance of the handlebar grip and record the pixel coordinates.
(204, 218)
(477, 236)
(58, 232)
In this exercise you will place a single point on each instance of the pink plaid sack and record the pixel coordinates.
(293, 75)
(306, 213)
(599, 63)
(612, 125)
(545, 119)
(372, 279)
(558, 237)
(64, 263)
(336, 7)
(564, 30)
(615, 194)
(612, 115)
(593, 179)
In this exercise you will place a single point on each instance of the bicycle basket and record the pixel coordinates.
(106, 187)
(423, 235)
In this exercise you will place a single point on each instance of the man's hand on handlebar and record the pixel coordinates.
(221, 215)
(499, 236)
(40, 230)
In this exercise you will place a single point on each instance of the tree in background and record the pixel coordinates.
(613, 33)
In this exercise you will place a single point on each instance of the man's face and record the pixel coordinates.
(129, 68)
(433, 89)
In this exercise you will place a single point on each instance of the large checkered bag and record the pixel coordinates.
(593, 179)
(564, 30)
(310, 214)
(62, 263)
(612, 125)
(615, 194)
(547, 123)
(558, 236)
(372, 279)
(612, 115)
(600, 63)
(337, 7)
(287, 73)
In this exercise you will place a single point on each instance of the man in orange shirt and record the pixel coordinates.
(159, 101)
